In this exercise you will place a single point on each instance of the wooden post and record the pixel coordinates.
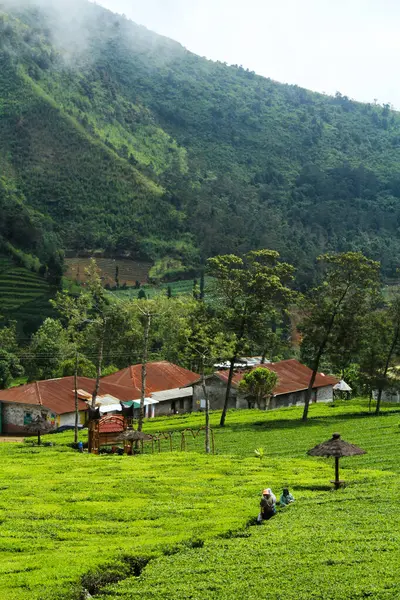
(337, 481)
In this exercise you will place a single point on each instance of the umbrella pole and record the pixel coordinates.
(337, 481)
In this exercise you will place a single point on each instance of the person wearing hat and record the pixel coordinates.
(267, 506)
(286, 497)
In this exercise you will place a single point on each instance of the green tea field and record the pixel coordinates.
(181, 524)
(24, 295)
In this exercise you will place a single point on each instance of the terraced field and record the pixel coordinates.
(130, 271)
(24, 295)
(178, 288)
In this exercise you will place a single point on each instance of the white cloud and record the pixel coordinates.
(326, 45)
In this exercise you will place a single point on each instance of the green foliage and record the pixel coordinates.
(131, 144)
(259, 453)
(259, 384)
(86, 368)
(334, 311)
(49, 348)
(10, 366)
(249, 291)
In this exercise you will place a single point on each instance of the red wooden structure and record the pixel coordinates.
(105, 431)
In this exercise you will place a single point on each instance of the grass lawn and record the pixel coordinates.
(69, 521)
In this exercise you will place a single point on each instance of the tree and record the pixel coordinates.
(204, 346)
(350, 281)
(117, 276)
(373, 351)
(49, 347)
(38, 426)
(99, 317)
(160, 327)
(147, 310)
(259, 383)
(392, 349)
(74, 311)
(380, 348)
(10, 366)
(245, 289)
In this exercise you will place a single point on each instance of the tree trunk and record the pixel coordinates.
(387, 365)
(205, 392)
(99, 367)
(76, 398)
(309, 392)
(202, 286)
(232, 368)
(144, 370)
(320, 352)
(39, 439)
(228, 392)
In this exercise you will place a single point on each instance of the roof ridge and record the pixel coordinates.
(132, 372)
(38, 393)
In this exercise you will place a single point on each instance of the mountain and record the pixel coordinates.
(115, 138)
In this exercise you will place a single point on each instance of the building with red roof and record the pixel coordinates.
(168, 384)
(293, 380)
(54, 399)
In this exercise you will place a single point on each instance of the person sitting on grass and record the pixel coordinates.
(286, 497)
(267, 506)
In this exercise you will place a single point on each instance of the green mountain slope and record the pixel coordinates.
(130, 143)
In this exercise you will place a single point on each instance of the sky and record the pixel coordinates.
(351, 46)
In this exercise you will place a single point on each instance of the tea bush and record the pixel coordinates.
(70, 521)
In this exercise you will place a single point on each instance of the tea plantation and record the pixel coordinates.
(179, 525)
(24, 295)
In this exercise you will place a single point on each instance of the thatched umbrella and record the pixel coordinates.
(336, 447)
(130, 435)
(38, 426)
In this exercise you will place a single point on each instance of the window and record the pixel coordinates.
(27, 418)
(181, 404)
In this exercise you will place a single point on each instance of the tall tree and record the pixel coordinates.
(74, 312)
(381, 348)
(10, 366)
(147, 310)
(245, 289)
(373, 351)
(350, 280)
(49, 347)
(99, 305)
(205, 345)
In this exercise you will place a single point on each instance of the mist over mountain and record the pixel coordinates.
(115, 138)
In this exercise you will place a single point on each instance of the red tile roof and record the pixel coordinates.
(58, 394)
(292, 376)
(161, 376)
(112, 424)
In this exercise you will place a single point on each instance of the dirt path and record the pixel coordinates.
(10, 438)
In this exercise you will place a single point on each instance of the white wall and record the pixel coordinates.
(325, 394)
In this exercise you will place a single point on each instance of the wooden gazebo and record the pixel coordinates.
(105, 430)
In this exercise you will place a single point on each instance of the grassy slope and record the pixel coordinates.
(63, 513)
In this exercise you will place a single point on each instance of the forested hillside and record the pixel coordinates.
(114, 138)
